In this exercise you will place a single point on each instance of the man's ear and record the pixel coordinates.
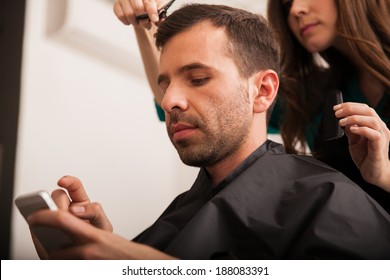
(267, 84)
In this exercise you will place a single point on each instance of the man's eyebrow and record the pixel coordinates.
(193, 66)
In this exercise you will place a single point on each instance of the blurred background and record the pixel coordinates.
(74, 101)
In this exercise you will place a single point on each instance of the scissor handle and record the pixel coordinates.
(162, 13)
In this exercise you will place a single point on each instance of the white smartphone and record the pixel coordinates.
(52, 239)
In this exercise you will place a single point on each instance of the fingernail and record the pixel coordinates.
(337, 107)
(78, 209)
(338, 112)
(63, 177)
(155, 18)
(343, 121)
(28, 219)
(354, 128)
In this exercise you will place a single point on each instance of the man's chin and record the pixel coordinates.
(196, 157)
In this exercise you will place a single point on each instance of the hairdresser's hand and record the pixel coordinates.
(368, 138)
(79, 203)
(91, 242)
(127, 10)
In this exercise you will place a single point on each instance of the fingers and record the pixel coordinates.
(368, 138)
(75, 227)
(43, 255)
(122, 13)
(75, 189)
(80, 232)
(363, 126)
(360, 119)
(94, 213)
(80, 204)
(366, 132)
(151, 10)
(61, 199)
(128, 10)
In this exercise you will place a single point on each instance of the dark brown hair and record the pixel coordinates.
(253, 45)
(365, 26)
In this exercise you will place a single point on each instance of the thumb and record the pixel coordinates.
(75, 189)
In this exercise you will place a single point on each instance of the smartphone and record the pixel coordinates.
(330, 124)
(51, 238)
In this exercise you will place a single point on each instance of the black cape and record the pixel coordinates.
(336, 154)
(273, 206)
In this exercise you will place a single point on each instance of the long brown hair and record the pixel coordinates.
(365, 24)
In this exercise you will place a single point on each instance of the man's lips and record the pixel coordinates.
(181, 130)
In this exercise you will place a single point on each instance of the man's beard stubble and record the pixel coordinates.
(218, 137)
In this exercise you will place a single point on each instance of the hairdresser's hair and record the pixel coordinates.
(251, 42)
(365, 26)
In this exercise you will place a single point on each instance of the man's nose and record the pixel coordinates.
(174, 98)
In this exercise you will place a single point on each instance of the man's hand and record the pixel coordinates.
(368, 138)
(76, 203)
(79, 203)
(91, 242)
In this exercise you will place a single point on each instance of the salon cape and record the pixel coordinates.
(273, 206)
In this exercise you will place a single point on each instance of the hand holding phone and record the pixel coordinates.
(51, 238)
(330, 124)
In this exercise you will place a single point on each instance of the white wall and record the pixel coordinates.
(86, 110)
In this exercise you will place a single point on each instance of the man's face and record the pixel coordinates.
(207, 108)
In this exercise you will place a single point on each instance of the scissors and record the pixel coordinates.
(162, 13)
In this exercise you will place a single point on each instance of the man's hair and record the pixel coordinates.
(251, 42)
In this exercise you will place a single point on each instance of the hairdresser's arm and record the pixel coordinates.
(91, 242)
(368, 138)
(126, 11)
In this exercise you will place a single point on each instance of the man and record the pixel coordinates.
(218, 72)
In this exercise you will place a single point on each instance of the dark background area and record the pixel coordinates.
(12, 13)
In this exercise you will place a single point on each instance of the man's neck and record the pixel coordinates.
(220, 170)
